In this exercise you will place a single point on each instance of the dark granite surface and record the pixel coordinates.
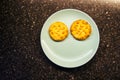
(21, 55)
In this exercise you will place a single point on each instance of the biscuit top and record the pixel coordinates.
(80, 29)
(58, 31)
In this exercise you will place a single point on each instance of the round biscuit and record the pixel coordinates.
(58, 31)
(80, 29)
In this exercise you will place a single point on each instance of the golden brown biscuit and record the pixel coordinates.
(58, 31)
(80, 29)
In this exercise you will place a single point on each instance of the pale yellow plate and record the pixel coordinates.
(69, 53)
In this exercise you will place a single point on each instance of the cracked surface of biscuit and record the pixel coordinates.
(80, 29)
(58, 31)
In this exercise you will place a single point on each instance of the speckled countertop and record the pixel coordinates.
(21, 55)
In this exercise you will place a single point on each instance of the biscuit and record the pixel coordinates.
(80, 29)
(58, 31)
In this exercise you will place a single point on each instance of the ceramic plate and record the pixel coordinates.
(70, 52)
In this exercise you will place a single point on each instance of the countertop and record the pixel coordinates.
(21, 55)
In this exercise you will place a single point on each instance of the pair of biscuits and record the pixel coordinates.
(80, 30)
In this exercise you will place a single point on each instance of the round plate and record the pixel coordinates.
(70, 52)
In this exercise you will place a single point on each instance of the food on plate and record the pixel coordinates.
(58, 31)
(80, 29)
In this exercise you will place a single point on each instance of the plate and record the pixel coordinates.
(69, 53)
